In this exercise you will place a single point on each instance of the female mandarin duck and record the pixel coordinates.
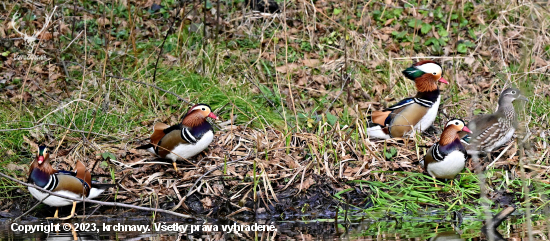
(183, 140)
(446, 158)
(491, 131)
(418, 111)
(75, 184)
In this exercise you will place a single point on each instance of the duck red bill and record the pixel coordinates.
(211, 115)
(442, 80)
(40, 159)
(466, 129)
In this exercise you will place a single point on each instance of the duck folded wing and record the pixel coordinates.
(403, 120)
(158, 132)
(71, 184)
(383, 118)
(82, 173)
(483, 127)
(174, 136)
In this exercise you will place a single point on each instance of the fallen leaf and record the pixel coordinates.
(311, 62)
(539, 62)
(307, 183)
(206, 202)
(287, 68)
(103, 21)
(469, 60)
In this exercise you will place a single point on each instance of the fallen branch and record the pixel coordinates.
(114, 204)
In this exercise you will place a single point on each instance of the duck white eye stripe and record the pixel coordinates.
(199, 107)
(429, 68)
(188, 136)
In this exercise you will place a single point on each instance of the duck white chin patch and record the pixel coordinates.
(430, 68)
(451, 165)
(190, 150)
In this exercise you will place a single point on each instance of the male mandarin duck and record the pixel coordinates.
(418, 111)
(183, 140)
(491, 131)
(446, 158)
(75, 184)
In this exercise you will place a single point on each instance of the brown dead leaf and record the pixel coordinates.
(64, 28)
(302, 81)
(321, 79)
(461, 80)
(387, 30)
(55, 76)
(45, 36)
(469, 60)
(218, 189)
(384, 37)
(171, 58)
(26, 96)
(206, 202)
(38, 69)
(2, 32)
(312, 63)
(15, 167)
(539, 62)
(307, 183)
(287, 68)
(103, 22)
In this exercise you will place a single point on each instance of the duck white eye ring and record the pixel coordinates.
(434, 73)
(456, 123)
(513, 92)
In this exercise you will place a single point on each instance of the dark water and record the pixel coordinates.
(429, 228)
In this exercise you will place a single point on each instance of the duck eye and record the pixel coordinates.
(203, 108)
(513, 92)
(435, 73)
(456, 123)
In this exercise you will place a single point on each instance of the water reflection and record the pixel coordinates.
(447, 236)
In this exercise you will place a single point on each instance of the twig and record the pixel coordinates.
(500, 155)
(77, 37)
(165, 37)
(346, 78)
(114, 204)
